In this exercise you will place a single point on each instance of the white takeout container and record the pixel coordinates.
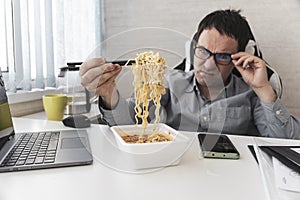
(151, 155)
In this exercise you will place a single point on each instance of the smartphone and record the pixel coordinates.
(217, 146)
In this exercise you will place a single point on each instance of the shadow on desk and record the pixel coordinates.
(97, 120)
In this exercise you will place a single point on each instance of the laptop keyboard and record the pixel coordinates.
(33, 148)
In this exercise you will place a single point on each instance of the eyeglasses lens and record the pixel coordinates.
(202, 53)
(220, 58)
(223, 59)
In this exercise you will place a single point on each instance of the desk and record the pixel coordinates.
(194, 178)
(42, 115)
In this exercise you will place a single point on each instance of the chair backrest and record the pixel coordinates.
(275, 82)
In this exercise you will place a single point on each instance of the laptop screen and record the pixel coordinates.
(6, 125)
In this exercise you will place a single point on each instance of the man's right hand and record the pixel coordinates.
(98, 77)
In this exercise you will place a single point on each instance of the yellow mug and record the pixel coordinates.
(54, 105)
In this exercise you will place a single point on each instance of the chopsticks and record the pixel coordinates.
(119, 62)
(122, 62)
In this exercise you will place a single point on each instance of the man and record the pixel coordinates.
(208, 98)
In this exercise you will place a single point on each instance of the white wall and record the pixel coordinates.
(275, 23)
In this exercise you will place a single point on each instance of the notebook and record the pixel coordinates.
(39, 150)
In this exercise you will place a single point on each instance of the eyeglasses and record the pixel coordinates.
(220, 58)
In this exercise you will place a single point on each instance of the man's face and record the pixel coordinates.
(207, 72)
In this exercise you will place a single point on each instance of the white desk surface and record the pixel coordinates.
(194, 178)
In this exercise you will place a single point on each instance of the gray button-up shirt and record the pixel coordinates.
(236, 110)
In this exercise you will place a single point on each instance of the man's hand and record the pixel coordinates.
(98, 77)
(254, 73)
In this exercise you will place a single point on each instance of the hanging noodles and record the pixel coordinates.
(148, 71)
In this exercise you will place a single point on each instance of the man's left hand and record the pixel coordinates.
(254, 72)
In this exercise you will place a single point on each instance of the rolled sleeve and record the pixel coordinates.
(276, 112)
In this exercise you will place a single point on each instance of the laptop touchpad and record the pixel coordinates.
(73, 143)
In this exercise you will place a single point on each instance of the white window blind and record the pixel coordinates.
(40, 36)
(3, 54)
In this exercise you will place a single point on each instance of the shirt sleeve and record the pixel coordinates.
(279, 122)
(122, 114)
(276, 112)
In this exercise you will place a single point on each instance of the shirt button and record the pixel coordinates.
(278, 112)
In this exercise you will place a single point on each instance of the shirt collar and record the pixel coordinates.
(191, 87)
(225, 92)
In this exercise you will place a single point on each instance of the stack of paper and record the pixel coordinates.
(280, 168)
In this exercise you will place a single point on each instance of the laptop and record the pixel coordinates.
(39, 150)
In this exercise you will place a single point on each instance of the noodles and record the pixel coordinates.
(158, 137)
(148, 71)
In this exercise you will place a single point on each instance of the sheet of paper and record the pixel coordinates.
(285, 177)
(296, 149)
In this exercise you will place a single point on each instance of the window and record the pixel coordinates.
(40, 36)
(3, 46)
(3, 60)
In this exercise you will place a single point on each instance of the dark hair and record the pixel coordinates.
(227, 22)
